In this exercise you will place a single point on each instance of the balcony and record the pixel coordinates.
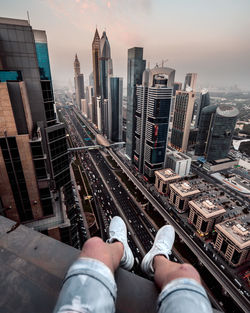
(32, 267)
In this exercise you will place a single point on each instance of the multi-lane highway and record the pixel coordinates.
(111, 196)
(141, 237)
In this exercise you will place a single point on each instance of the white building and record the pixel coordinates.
(178, 162)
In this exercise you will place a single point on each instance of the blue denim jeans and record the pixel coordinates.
(89, 287)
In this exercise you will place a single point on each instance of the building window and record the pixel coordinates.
(181, 204)
(164, 188)
(224, 247)
(236, 257)
(16, 177)
(195, 219)
(174, 198)
(204, 226)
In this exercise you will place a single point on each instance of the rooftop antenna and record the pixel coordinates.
(28, 16)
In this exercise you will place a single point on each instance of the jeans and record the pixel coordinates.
(89, 287)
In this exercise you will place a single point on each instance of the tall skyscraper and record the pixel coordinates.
(216, 127)
(154, 99)
(96, 63)
(91, 79)
(34, 162)
(177, 86)
(106, 71)
(79, 83)
(136, 67)
(190, 81)
(106, 66)
(96, 73)
(204, 102)
(115, 109)
(89, 100)
(184, 105)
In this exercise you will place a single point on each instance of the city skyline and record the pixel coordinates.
(201, 38)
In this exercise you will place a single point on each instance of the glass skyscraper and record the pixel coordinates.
(34, 160)
(215, 133)
(136, 67)
(154, 100)
(115, 109)
(204, 102)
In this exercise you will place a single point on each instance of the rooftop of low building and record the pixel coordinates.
(237, 230)
(185, 188)
(167, 174)
(207, 206)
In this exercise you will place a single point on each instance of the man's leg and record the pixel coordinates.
(166, 271)
(89, 286)
(180, 285)
(109, 254)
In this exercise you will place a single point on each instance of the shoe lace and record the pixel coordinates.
(162, 245)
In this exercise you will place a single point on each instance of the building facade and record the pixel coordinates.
(215, 133)
(34, 165)
(115, 109)
(181, 193)
(79, 83)
(233, 240)
(190, 81)
(106, 71)
(179, 162)
(163, 179)
(204, 214)
(154, 100)
(177, 86)
(183, 111)
(204, 102)
(136, 67)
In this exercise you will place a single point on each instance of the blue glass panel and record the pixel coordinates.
(43, 60)
(10, 76)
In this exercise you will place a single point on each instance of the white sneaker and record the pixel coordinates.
(163, 243)
(118, 232)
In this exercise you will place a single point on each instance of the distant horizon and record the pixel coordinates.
(199, 36)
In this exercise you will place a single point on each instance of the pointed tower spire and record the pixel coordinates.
(76, 65)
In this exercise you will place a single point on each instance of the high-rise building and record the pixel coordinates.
(154, 99)
(79, 83)
(96, 63)
(106, 67)
(177, 86)
(115, 109)
(183, 111)
(91, 79)
(106, 71)
(216, 127)
(136, 67)
(89, 100)
(190, 81)
(204, 102)
(34, 165)
(99, 113)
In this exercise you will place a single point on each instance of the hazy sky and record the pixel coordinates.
(210, 37)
